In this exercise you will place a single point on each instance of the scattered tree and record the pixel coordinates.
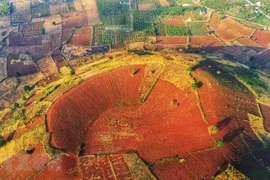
(27, 89)
(212, 129)
(189, 69)
(15, 106)
(219, 143)
(194, 86)
(133, 72)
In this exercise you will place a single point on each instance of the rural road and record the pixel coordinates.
(258, 9)
(199, 4)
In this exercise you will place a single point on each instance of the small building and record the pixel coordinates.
(256, 11)
(203, 11)
(186, 5)
(259, 4)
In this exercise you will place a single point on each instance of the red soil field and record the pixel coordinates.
(144, 129)
(262, 38)
(266, 116)
(23, 165)
(33, 123)
(214, 43)
(111, 127)
(175, 21)
(82, 37)
(199, 41)
(221, 95)
(248, 42)
(230, 29)
(238, 138)
(62, 167)
(101, 92)
(107, 167)
(215, 20)
(14, 39)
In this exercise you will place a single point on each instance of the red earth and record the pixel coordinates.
(262, 38)
(25, 165)
(102, 119)
(266, 116)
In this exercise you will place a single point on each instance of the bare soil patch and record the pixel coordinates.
(145, 7)
(175, 21)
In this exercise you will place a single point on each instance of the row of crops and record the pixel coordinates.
(123, 24)
(103, 36)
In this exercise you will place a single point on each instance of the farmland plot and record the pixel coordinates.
(3, 68)
(82, 37)
(22, 13)
(197, 28)
(32, 29)
(14, 39)
(41, 10)
(59, 8)
(47, 66)
(262, 38)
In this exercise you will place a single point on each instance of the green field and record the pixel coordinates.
(197, 28)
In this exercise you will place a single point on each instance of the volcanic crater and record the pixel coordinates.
(139, 112)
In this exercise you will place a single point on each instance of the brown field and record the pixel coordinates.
(73, 20)
(47, 66)
(31, 41)
(3, 68)
(24, 165)
(78, 5)
(62, 167)
(215, 20)
(230, 29)
(59, 8)
(89, 5)
(20, 68)
(234, 99)
(41, 10)
(266, 116)
(188, 16)
(135, 134)
(262, 38)
(52, 24)
(248, 42)
(22, 12)
(145, 7)
(14, 39)
(5, 21)
(200, 41)
(175, 21)
(215, 43)
(164, 3)
(32, 29)
(93, 17)
(58, 58)
(82, 37)
(36, 52)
